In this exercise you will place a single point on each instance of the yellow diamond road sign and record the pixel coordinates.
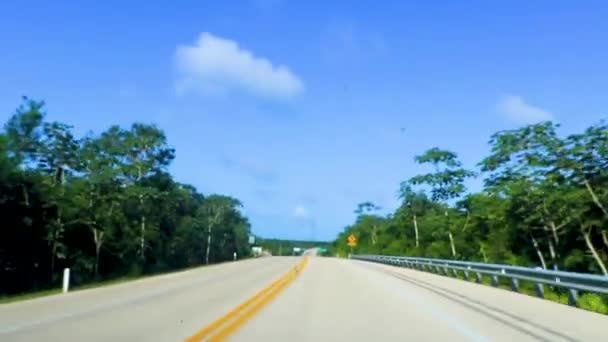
(352, 240)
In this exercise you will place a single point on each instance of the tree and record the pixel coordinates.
(103, 205)
(543, 201)
(143, 151)
(414, 204)
(367, 208)
(216, 208)
(446, 183)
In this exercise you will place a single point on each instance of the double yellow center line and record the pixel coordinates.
(222, 327)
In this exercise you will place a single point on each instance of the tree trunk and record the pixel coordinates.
(466, 222)
(554, 232)
(54, 241)
(552, 254)
(538, 252)
(483, 253)
(58, 176)
(142, 221)
(596, 200)
(453, 247)
(374, 235)
(98, 237)
(554, 228)
(416, 231)
(550, 243)
(596, 256)
(208, 246)
(142, 239)
(452, 244)
(26, 196)
(212, 224)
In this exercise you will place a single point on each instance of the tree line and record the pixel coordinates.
(103, 205)
(544, 203)
(285, 247)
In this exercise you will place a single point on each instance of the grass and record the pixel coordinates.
(4, 299)
(53, 291)
(586, 301)
(28, 295)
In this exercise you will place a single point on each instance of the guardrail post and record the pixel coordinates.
(572, 294)
(466, 273)
(494, 280)
(454, 273)
(514, 285)
(478, 277)
(540, 291)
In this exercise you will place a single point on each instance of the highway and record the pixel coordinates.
(326, 299)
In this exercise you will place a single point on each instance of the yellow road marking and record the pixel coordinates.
(244, 311)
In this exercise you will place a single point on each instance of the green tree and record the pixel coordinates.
(446, 182)
(103, 205)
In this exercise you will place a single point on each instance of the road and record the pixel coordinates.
(328, 300)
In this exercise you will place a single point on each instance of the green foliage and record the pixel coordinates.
(544, 202)
(102, 205)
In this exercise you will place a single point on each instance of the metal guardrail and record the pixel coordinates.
(571, 281)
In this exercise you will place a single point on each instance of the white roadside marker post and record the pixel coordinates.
(66, 279)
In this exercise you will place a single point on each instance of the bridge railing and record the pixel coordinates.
(571, 281)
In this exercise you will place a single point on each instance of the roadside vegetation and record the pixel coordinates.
(103, 205)
(285, 247)
(544, 203)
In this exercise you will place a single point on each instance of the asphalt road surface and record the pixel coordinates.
(330, 300)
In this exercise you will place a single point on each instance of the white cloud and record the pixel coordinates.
(300, 211)
(518, 111)
(216, 65)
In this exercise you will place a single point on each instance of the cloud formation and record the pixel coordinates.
(517, 110)
(216, 65)
(300, 211)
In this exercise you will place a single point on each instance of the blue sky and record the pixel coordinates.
(297, 107)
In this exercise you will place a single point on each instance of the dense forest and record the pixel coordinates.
(544, 203)
(103, 205)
